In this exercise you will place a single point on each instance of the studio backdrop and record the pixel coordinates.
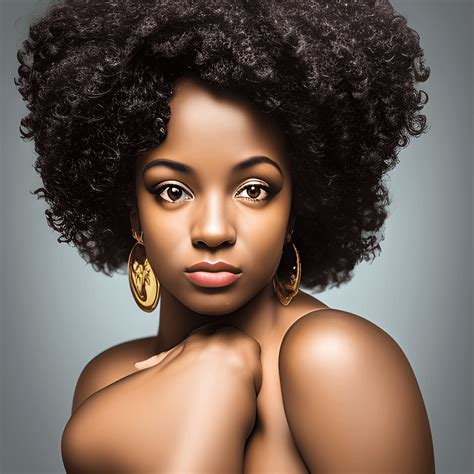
(57, 313)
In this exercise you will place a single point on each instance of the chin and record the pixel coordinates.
(215, 304)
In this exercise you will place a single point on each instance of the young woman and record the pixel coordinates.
(228, 153)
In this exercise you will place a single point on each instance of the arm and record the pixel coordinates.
(193, 411)
(108, 367)
(351, 398)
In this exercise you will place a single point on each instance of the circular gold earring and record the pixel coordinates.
(286, 289)
(144, 285)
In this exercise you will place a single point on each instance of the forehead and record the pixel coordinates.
(216, 129)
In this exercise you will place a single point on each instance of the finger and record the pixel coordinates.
(151, 361)
(165, 356)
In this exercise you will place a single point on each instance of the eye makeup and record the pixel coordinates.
(168, 190)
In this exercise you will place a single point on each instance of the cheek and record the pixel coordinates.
(263, 238)
(166, 239)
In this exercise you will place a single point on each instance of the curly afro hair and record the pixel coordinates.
(339, 77)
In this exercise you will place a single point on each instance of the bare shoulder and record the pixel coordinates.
(111, 365)
(351, 397)
(329, 340)
(348, 328)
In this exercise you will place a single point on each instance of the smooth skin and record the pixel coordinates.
(211, 216)
(337, 395)
(145, 423)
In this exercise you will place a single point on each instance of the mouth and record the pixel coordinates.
(208, 279)
(212, 267)
(212, 275)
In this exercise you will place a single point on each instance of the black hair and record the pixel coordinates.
(338, 76)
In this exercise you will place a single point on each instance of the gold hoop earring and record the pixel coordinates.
(285, 289)
(144, 285)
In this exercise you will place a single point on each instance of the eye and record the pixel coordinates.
(170, 193)
(254, 190)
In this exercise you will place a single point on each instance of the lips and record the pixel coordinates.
(213, 267)
(212, 275)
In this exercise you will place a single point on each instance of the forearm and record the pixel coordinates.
(210, 422)
(165, 420)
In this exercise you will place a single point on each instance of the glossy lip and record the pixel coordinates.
(213, 267)
(212, 279)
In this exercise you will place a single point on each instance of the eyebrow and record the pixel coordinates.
(177, 166)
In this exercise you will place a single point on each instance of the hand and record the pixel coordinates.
(220, 337)
(157, 358)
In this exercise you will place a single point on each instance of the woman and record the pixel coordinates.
(229, 153)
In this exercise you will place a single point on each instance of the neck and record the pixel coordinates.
(257, 318)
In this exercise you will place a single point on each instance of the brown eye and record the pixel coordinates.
(254, 192)
(171, 193)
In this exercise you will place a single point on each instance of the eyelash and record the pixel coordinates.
(160, 188)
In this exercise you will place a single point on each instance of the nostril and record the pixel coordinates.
(213, 241)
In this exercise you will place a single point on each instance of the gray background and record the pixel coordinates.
(57, 313)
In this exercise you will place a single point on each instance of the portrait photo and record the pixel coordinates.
(236, 236)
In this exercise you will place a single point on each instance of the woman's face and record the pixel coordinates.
(201, 197)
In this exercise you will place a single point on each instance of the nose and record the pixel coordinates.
(212, 226)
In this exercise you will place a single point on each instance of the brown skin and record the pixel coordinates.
(214, 219)
(351, 398)
(145, 423)
(335, 393)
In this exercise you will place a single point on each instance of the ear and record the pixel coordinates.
(135, 220)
